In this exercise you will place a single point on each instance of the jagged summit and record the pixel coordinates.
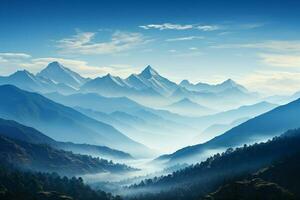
(53, 67)
(229, 82)
(23, 74)
(61, 74)
(108, 76)
(55, 64)
(149, 72)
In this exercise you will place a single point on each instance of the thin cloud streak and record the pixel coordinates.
(184, 38)
(170, 26)
(271, 45)
(279, 60)
(83, 43)
(34, 65)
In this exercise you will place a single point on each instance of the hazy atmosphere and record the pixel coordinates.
(149, 100)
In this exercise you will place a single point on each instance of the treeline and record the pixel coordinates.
(197, 181)
(42, 157)
(16, 185)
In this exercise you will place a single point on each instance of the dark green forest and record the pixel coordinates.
(273, 160)
(16, 185)
(42, 157)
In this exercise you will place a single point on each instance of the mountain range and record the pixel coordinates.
(147, 87)
(276, 160)
(204, 87)
(20, 132)
(141, 123)
(187, 107)
(60, 74)
(45, 158)
(61, 122)
(26, 147)
(259, 128)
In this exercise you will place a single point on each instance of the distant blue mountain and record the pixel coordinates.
(60, 122)
(187, 107)
(204, 87)
(41, 157)
(225, 95)
(60, 74)
(28, 81)
(147, 87)
(245, 111)
(259, 128)
(153, 79)
(148, 83)
(14, 130)
(96, 101)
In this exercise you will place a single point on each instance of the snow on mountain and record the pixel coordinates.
(28, 81)
(204, 87)
(60, 74)
(160, 84)
(137, 82)
(148, 83)
(108, 85)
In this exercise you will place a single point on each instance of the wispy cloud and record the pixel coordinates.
(184, 38)
(84, 43)
(170, 26)
(208, 27)
(278, 53)
(279, 60)
(272, 82)
(271, 45)
(34, 65)
(203, 27)
(11, 57)
(167, 26)
(251, 26)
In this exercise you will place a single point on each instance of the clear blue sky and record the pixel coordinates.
(254, 42)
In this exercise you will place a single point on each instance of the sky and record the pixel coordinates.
(256, 43)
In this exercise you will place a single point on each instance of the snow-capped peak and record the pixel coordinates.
(60, 74)
(23, 73)
(149, 72)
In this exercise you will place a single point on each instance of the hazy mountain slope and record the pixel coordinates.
(139, 122)
(45, 186)
(60, 122)
(197, 180)
(60, 74)
(45, 158)
(108, 85)
(187, 107)
(204, 87)
(157, 82)
(226, 117)
(222, 96)
(218, 129)
(96, 101)
(259, 128)
(28, 81)
(14, 130)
